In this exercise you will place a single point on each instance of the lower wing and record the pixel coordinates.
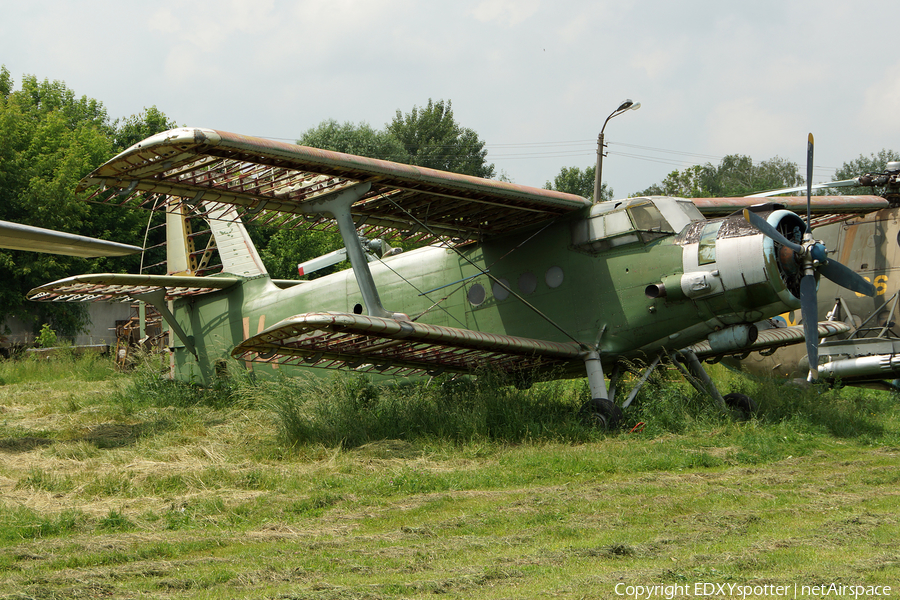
(120, 287)
(770, 339)
(364, 343)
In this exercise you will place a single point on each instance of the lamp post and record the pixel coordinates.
(627, 104)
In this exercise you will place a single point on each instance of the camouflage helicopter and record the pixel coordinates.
(869, 354)
(531, 281)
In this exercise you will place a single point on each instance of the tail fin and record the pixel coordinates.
(179, 243)
(236, 249)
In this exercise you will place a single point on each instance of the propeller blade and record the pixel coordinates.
(810, 314)
(769, 231)
(809, 169)
(846, 277)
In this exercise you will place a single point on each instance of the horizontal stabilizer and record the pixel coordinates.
(364, 343)
(120, 287)
(775, 338)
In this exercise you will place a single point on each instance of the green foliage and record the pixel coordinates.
(47, 337)
(49, 140)
(150, 386)
(288, 247)
(874, 163)
(360, 139)
(573, 180)
(433, 138)
(88, 366)
(428, 137)
(735, 175)
(352, 411)
(129, 131)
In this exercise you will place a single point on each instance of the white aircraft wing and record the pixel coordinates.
(16, 236)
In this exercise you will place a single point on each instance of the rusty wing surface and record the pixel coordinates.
(822, 206)
(118, 287)
(364, 343)
(279, 184)
(770, 339)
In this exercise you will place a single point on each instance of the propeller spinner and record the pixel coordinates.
(813, 256)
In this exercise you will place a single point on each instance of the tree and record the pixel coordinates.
(128, 132)
(874, 163)
(736, 175)
(283, 249)
(433, 138)
(360, 139)
(428, 137)
(574, 180)
(683, 184)
(49, 140)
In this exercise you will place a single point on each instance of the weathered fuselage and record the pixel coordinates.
(638, 275)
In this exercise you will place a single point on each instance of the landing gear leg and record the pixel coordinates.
(599, 410)
(688, 363)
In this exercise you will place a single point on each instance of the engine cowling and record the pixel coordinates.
(735, 271)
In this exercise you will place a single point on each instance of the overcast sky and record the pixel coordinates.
(534, 78)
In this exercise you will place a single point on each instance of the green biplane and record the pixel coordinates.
(532, 281)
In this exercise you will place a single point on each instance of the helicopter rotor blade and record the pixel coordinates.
(816, 186)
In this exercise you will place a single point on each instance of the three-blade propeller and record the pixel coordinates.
(814, 257)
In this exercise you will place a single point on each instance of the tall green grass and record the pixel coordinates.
(350, 410)
(65, 364)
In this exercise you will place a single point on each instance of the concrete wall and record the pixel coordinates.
(103, 317)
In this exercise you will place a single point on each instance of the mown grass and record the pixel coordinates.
(130, 486)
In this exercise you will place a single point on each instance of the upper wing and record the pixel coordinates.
(279, 182)
(334, 340)
(769, 339)
(118, 287)
(830, 205)
(37, 239)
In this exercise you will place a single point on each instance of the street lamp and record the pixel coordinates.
(627, 104)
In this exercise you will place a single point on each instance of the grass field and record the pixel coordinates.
(124, 486)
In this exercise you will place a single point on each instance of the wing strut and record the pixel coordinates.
(338, 205)
(157, 298)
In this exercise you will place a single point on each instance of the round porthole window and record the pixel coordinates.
(553, 277)
(527, 282)
(476, 294)
(501, 292)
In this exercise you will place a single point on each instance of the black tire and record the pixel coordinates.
(742, 406)
(601, 413)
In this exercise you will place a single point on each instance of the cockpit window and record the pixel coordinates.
(647, 217)
(624, 224)
(706, 250)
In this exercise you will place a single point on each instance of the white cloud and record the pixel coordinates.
(506, 12)
(882, 103)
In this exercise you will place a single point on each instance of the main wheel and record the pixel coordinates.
(742, 405)
(600, 412)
